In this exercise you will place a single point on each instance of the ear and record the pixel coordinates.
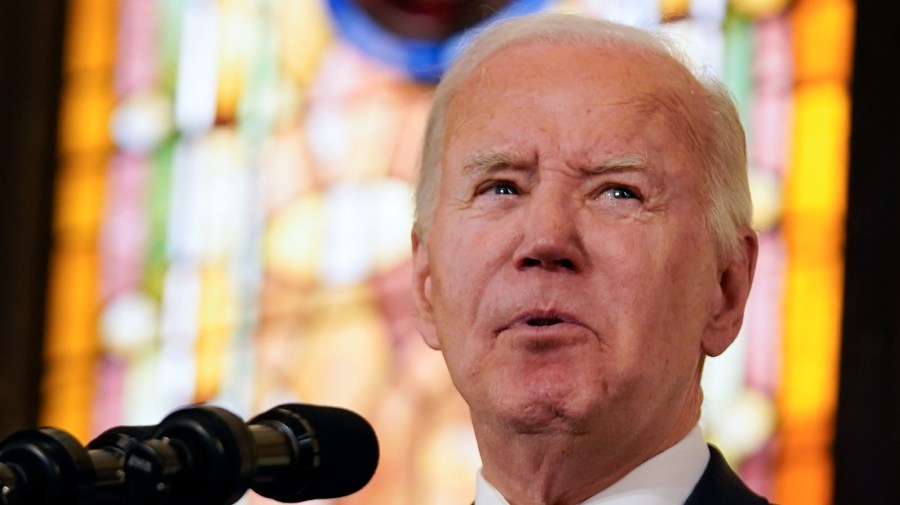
(735, 280)
(422, 293)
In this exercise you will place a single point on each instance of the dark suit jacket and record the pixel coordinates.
(720, 485)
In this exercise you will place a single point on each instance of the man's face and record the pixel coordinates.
(569, 277)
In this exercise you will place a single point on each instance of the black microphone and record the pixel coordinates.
(308, 452)
(291, 453)
(45, 466)
(201, 455)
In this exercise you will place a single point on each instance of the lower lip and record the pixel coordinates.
(545, 337)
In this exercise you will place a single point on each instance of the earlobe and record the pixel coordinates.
(734, 288)
(422, 293)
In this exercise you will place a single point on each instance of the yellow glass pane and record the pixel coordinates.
(293, 241)
(812, 341)
(759, 8)
(235, 39)
(817, 176)
(301, 49)
(673, 8)
(218, 318)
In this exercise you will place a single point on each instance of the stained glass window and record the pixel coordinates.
(233, 211)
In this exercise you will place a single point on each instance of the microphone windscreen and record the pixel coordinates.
(348, 453)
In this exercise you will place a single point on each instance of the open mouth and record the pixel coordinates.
(540, 319)
(544, 321)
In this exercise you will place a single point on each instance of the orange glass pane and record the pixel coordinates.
(87, 103)
(814, 212)
(90, 35)
(823, 39)
(805, 475)
(80, 186)
(71, 345)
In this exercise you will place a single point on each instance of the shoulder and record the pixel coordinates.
(719, 484)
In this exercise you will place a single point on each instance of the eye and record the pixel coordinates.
(499, 188)
(505, 188)
(617, 196)
(620, 193)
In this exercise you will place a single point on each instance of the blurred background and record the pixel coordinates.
(210, 201)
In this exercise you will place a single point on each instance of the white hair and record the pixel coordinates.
(714, 132)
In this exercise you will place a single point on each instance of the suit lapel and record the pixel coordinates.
(720, 485)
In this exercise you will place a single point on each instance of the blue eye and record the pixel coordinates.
(505, 188)
(621, 193)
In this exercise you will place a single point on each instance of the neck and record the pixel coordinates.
(567, 468)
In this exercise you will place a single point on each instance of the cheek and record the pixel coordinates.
(656, 288)
(455, 291)
(469, 259)
(467, 275)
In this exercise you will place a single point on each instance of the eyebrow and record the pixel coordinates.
(489, 161)
(630, 162)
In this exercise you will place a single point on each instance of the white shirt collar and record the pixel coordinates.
(665, 479)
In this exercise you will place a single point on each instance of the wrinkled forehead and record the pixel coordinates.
(643, 84)
(646, 76)
(684, 112)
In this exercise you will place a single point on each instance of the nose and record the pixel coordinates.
(551, 239)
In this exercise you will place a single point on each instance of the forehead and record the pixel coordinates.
(539, 82)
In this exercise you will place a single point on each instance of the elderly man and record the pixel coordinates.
(581, 244)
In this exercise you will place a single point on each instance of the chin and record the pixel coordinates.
(543, 400)
(544, 415)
